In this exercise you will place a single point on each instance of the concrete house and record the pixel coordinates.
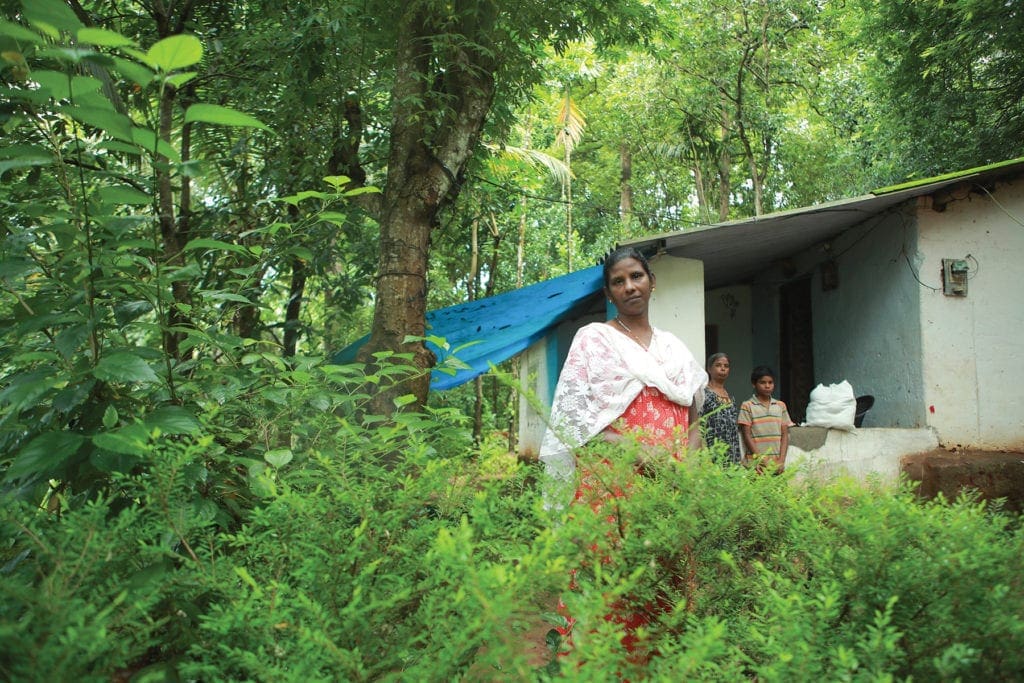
(912, 293)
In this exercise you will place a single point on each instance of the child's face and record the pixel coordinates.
(764, 387)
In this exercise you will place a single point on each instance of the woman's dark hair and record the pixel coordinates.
(759, 372)
(621, 254)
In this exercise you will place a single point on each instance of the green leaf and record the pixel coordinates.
(294, 199)
(193, 168)
(205, 243)
(44, 454)
(279, 457)
(173, 420)
(146, 138)
(128, 311)
(124, 195)
(110, 417)
(22, 163)
(70, 340)
(19, 32)
(175, 52)
(50, 16)
(107, 120)
(136, 73)
(130, 440)
(224, 116)
(230, 296)
(337, 180)
(369, 189)
(81, 85)
(54, 83)
(22, 390)
(123, 147)
(74, 55)
(179, 80)
(124, 366)
(332, 217)
(103, 37)
(404, 400)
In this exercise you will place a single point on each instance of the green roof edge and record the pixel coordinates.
(946, 176)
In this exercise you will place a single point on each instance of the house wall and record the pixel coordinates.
(764, 320)
(730, 309)
(677, 304)
(974, 345)
(866, 330)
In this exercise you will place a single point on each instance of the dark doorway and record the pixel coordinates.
(710, 340)
(796, 352)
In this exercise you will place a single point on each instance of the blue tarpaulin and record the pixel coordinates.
(498, 327)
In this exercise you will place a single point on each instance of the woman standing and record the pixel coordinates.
(720, 411)
(624, 375)
(621, 376)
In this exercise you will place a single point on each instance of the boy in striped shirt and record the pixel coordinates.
(764, 423)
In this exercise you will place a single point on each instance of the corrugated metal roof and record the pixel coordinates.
(735, 252)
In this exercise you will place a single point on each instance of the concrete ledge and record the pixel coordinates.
(860, 453)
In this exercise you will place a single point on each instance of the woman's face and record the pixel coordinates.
(720, 369)
(629, 286)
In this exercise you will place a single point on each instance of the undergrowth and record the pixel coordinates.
(350, 567)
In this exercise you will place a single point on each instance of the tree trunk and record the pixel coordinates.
(169, 229)
(291, 314)
(625, 185)
(169, 233)
(474, 286)
(724, 169)
(521, 244)
(568, 212)
(425, 165)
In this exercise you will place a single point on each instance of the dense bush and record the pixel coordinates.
(354, 566)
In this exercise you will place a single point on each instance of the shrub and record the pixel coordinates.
(350, 564)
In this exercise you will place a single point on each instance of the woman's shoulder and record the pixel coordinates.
(594, 329)
(595, 336)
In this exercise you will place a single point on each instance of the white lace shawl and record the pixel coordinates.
(603, 373)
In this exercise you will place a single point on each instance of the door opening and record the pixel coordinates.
(796, 347)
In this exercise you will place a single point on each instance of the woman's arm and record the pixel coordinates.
(693, 433)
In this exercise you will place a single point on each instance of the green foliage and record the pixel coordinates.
(352, 565)
(115, 324)
(759, 577)
(945, 86)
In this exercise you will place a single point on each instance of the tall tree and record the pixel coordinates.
(457, 66)
(947, 82)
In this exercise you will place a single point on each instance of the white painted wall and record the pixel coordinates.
(863, 454)
(730, 308)
(974, 345)
(866, 330)
(677, 304)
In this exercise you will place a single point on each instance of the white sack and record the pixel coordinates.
(833, 406)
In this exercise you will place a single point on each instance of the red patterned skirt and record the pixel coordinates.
(656, 421)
